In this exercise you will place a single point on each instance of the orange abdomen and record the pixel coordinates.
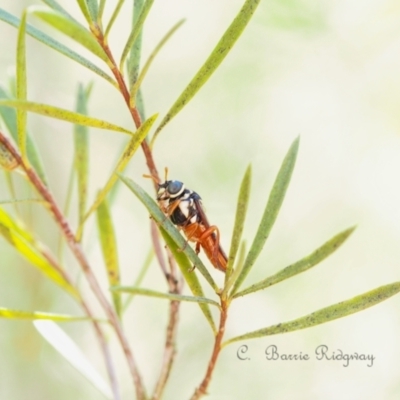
(195, 233)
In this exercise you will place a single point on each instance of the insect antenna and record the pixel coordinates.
(165, 174)
(151, 177)
(156, 180)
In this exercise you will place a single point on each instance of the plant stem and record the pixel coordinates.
(81, 258)
(171, 277)
(106, 352)
(169, 348)
(100, 335)
(133, 110)
(202, 389)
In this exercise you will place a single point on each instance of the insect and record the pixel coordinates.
(184, 208)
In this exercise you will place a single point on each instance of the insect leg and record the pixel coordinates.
(209, 232)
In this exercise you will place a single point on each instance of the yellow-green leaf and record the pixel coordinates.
(49, 41)
(70, 28)
(21, 201)
(57, 7)
(17, 314)
(271, 211)
(138, 82)
(302, 265)
(136, 50)
(114, 16)
(31, 249)
(129, 151)
(188, 273)
(135, 32)
(21, 86)
(85, 11)
(93, 9)
(161, 295)
(9, 117)
(81, 156)
(326, 314)
(101, 9)
(212, 63)
(241, 210)
(62, 114)
(109, 250)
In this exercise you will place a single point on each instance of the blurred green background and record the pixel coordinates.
(327, 71)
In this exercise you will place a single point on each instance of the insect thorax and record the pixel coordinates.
(186, 212)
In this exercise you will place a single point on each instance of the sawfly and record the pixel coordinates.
(184, 208)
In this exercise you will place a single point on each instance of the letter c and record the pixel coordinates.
(241, 351)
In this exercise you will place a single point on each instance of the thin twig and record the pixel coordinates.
(100, 335)
(81, 258)
(133, 110)
(171, 277)
(202, 389)
(106, 352)
(172, 327)
(155, 238)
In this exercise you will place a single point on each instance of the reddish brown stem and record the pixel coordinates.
(202, 389)
(174, 287)
(169, 348)
(80, 256)
(133, 110)
(100, 335)
(106, 352)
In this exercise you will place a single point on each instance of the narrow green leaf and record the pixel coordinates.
(62, 114)
(68, 349)
(85, 11)
(189, 275)
(29, 248)
(21, 87)
(49, 41)
(136, 50)
(57, 7)
(16, 314)
(109, 249)
(9, 117)
(113, 17)
(129, 151)
(212, 63)
(70, 28)
(101, 9)
(271, 212)
(67, 204)
(135, 32)
(167, 296)
(138, 82)
(302, 265)
(140, 104)
(241, 210)
(170, 229)
(238, 268)
(93, 8)
(326, 314)
(81, 157)
(21, 201)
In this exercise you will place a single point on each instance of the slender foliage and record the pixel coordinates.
(178, 262)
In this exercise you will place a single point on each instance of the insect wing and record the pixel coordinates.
(200, 209)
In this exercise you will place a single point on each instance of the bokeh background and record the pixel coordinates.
(327, 71)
